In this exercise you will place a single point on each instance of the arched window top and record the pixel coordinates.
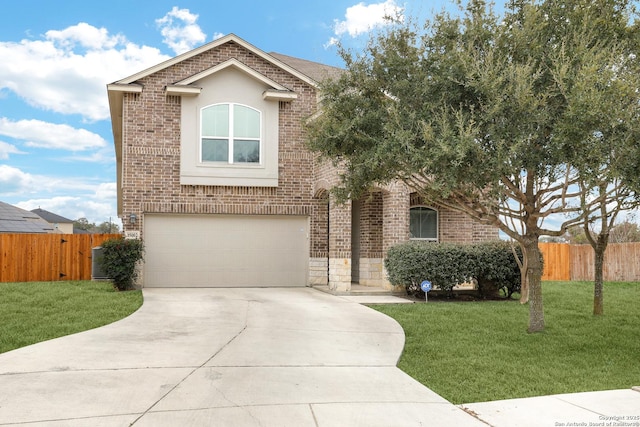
(230, 133)
(423, 223)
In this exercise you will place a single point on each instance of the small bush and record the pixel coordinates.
(119, 259)
(446, 265)
(496, 269)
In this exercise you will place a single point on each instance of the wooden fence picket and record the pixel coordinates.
(563, 261)
(48, 257)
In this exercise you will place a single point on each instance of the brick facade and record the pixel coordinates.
(150, 177)
(151, 149)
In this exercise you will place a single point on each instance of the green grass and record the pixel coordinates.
(480, 351)
(38, 311)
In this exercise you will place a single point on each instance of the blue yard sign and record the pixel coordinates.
(426, 287)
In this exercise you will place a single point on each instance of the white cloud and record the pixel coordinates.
(180, 30)
(67, 70)
(102, 155)
(37, 133)
(106, 190)
(95, 201)
(361, 18)
(6, 149)
(332, 42)
(86, 36)
(94, 209)
(15, 181)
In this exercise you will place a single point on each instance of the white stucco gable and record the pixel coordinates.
(235, 84)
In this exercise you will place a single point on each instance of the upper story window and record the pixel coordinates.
(423, 223)
(231, 133)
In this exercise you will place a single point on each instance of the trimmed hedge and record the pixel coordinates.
(445, 265)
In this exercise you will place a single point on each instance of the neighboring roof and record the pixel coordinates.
(50, 217)
(16, 220)
(317, 71)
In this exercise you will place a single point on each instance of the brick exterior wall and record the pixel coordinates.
(151, 149)
(151, 178)
(456, 227)
(371, 225)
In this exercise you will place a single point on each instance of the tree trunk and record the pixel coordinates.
(522, 265)
(534, 277)
(524, 286)
(598, 294)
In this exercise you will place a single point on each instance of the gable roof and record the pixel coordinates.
(50, 217)
(16, 220)
(315, 70)
(307, 71)
(212, 45)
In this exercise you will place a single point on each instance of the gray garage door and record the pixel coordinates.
(225, 250)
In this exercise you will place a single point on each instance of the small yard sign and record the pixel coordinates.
(426, 287)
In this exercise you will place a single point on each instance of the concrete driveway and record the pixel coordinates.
(225, 357)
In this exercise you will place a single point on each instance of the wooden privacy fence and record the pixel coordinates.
(563, 261)
(51, 257)
(47, 257)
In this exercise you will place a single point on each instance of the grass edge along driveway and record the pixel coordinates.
(38, 311)
(464, 351)
(480, 351)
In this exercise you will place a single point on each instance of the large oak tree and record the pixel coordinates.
(496, 116)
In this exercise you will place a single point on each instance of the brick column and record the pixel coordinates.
(339, 246)
(319, 259)
(396, 204)
(371, 255)
(395, 210)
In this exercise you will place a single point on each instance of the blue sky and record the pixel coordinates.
(56, 58)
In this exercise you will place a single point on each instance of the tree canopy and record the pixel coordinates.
(91, 227)
(621, 232)
(508, 118)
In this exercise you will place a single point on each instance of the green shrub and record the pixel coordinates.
(496, 269)
(446, 265)
(119, 259)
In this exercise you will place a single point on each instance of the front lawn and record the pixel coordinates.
(38, 311)
(480, 351)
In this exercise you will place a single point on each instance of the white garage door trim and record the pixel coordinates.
(225, 250)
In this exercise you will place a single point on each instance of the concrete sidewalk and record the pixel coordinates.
(225, 357)
(614, 408)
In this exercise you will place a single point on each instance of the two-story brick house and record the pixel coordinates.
(214, 175)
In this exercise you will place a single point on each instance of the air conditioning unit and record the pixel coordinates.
(97, 272)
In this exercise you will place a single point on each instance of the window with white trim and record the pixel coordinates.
(230, 133)
(423, 223)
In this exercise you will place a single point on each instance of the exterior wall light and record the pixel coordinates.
(132, 219)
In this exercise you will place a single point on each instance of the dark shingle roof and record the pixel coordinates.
(315, 70)
(50, 217)
(16, 220)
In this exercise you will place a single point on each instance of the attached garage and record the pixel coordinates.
(225, 250)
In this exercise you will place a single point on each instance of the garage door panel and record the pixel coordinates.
(225, 250)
